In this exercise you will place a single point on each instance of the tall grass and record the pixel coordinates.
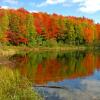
(13, 87)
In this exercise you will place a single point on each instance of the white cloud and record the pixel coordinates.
(7, 7)
(55, 1)
(35, 11)
(51, 2)
(10, 1)
(77, 1)
(4, 7)
(88, 6)
(92, 88)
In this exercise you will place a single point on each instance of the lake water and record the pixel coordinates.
(73, 75)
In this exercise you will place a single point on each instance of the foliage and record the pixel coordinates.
(18, 27)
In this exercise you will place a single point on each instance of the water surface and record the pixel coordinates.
(62, 75)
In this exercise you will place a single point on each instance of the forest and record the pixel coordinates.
(21, 27)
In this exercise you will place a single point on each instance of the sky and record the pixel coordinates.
(87, 8)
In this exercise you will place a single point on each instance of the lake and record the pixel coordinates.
(73, 75)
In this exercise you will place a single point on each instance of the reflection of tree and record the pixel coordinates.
(98, 61)
(45, 67)
(88, 63)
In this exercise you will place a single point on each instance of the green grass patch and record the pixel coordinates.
(14, 87)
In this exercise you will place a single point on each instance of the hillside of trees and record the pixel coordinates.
(20, 27)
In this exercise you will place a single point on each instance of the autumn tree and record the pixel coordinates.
(20, 27)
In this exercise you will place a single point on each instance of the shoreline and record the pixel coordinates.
(11, 50)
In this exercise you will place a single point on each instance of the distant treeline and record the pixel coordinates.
(20, 27)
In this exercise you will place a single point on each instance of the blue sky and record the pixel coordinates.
(87, 8)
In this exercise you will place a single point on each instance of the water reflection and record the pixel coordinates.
(45, 67)
(77, 73)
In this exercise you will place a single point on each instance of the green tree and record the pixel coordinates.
(31, 35)
(71, 32)
(4, 22)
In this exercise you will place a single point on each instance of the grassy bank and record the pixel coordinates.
(11, 50)
(63, 48)
(14, 87)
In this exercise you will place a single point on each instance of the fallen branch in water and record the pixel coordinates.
(57, 87)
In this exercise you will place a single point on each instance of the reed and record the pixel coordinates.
(14, 87)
